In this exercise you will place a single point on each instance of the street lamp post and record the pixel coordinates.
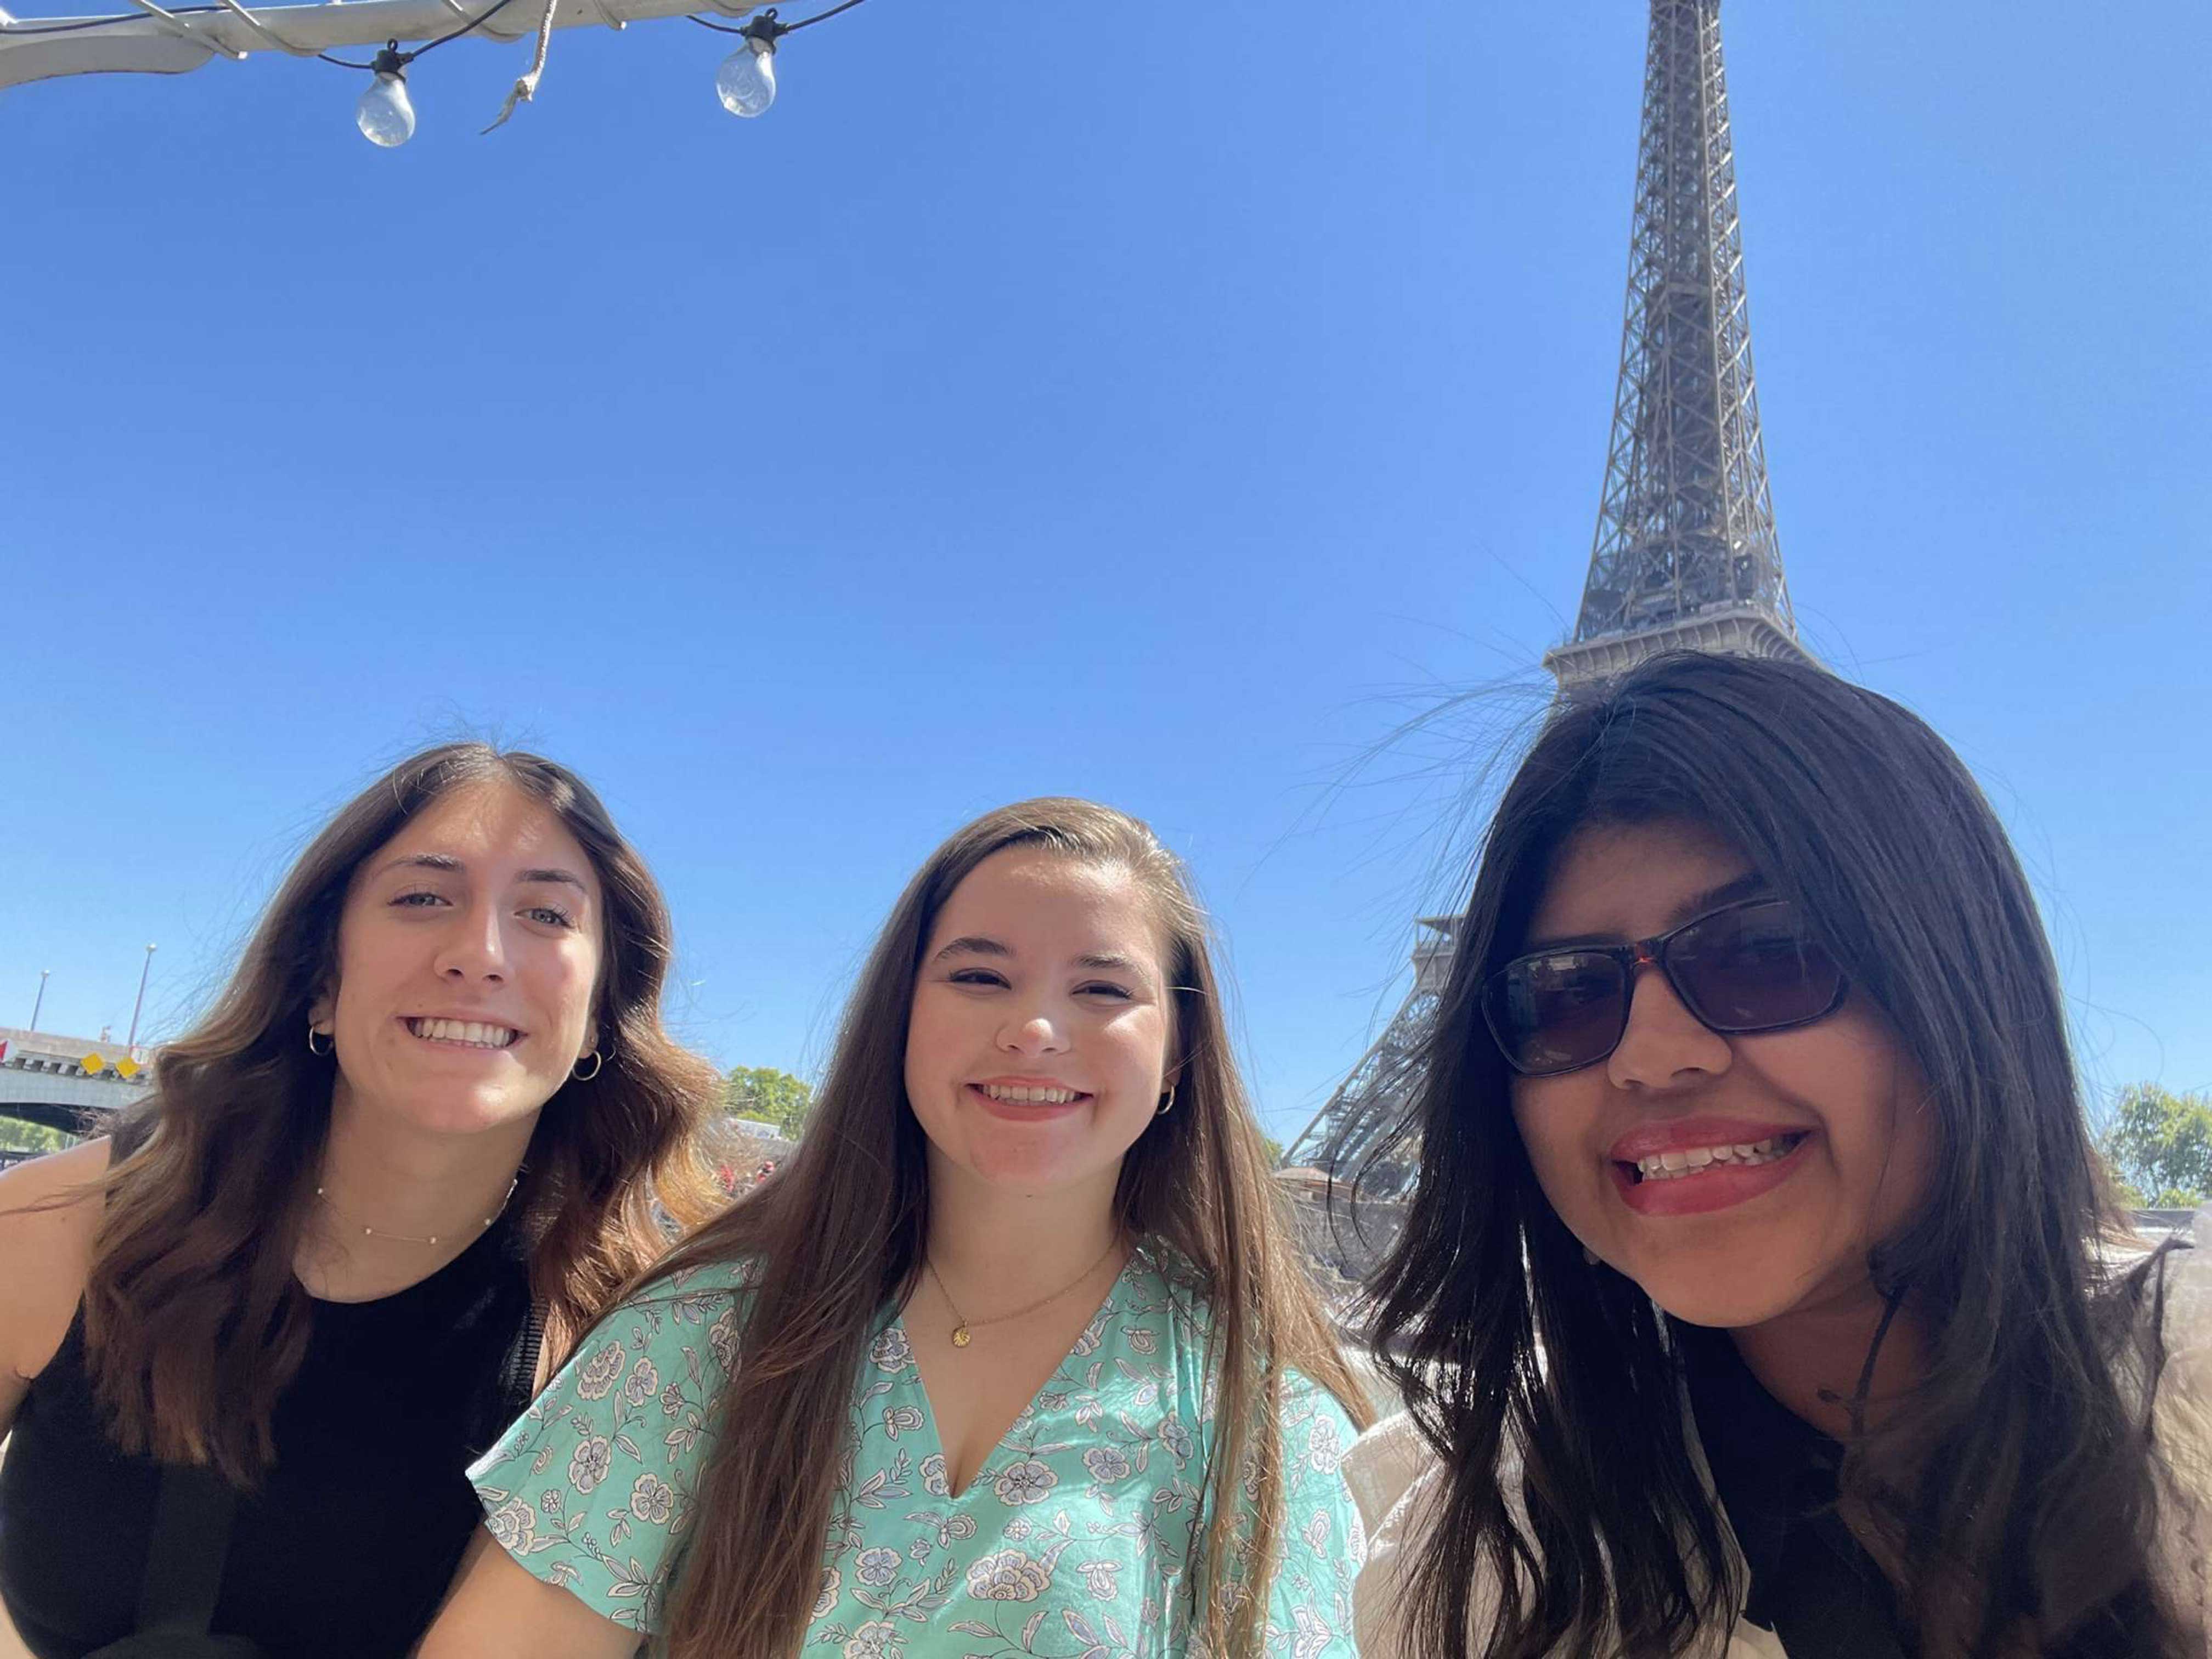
(131, 1042)
(41, 1002)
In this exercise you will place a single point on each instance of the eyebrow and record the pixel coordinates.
(570, 877)
(1110, 961)
(977, 944)
(1750, 884)
(973, 945)
(446, 861)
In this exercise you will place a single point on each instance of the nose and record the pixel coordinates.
(1032, 1031)
(1666, 1046)
(474, 947)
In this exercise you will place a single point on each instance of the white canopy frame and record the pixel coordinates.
(170, 39)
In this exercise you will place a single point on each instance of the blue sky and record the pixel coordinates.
(1158, 406)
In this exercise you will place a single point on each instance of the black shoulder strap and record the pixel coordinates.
(193, 1513)
(518, 1383)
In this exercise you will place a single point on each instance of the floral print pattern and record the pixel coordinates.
(1076, 1540)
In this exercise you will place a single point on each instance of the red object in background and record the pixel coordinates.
(4, 1050)
(727, 1179)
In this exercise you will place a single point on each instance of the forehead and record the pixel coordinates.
(1632, 880)
(1052, 905)
(493, 828)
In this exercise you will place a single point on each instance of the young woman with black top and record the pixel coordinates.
(429, 1127)
(1760, 1293)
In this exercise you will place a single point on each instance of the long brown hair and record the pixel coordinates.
(2017, 1485)
(194, 1322)
(838, 1235)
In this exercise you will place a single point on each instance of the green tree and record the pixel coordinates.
(2159, 1146)
(19, 1136)
(770, 1096)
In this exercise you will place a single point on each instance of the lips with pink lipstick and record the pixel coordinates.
(1026, 1099)
(1690, 1166)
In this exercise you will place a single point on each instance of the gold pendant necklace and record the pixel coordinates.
(963, 1331)
(411, 1238)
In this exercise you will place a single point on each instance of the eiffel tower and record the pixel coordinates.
(1685, 555)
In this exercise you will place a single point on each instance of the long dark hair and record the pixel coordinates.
(194, 1322)
(838, 1235)
(2016, 1488)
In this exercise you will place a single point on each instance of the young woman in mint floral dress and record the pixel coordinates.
(1014, 1359)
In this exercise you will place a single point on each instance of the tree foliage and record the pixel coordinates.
(770, 1096)
(16, 1135)
(2159, 1146)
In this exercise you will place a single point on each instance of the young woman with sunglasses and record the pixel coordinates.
(1758, 1294)
(1012, 1357)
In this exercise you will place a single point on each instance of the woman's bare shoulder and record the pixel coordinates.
(50, 1208)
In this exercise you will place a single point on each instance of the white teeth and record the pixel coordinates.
(1022, 1096)
(1695, 1160)
(468, 1031)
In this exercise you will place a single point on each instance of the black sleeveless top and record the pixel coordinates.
(348, 1547)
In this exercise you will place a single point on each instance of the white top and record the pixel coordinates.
(1394, 1476)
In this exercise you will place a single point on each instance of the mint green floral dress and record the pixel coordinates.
(1073, 1541)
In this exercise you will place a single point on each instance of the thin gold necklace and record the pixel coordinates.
(411, 1238)
(963, 1332)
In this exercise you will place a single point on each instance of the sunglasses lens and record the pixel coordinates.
(1754, 969)
(1555, 1012)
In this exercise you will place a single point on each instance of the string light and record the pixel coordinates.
(385, 115)
(746, 81)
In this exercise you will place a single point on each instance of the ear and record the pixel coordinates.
(321, 1011)
(591, 1039)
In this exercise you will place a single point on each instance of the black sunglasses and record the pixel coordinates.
(1751, 966)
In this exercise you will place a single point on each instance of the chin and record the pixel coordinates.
(1719, 1299)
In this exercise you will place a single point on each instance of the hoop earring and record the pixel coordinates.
(329, 1040)
(1167, 1105)
(577, 1071)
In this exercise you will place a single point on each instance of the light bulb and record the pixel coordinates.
(384, 115)
(746, 81)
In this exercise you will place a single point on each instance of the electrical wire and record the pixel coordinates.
(781, 28)
(809, 22)
(489, 12)
(476, 22)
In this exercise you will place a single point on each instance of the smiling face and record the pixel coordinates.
(469, 952)
(1734, 1238)
(1037, 1042)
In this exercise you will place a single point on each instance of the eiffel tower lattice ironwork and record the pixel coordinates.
(1686, 554)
